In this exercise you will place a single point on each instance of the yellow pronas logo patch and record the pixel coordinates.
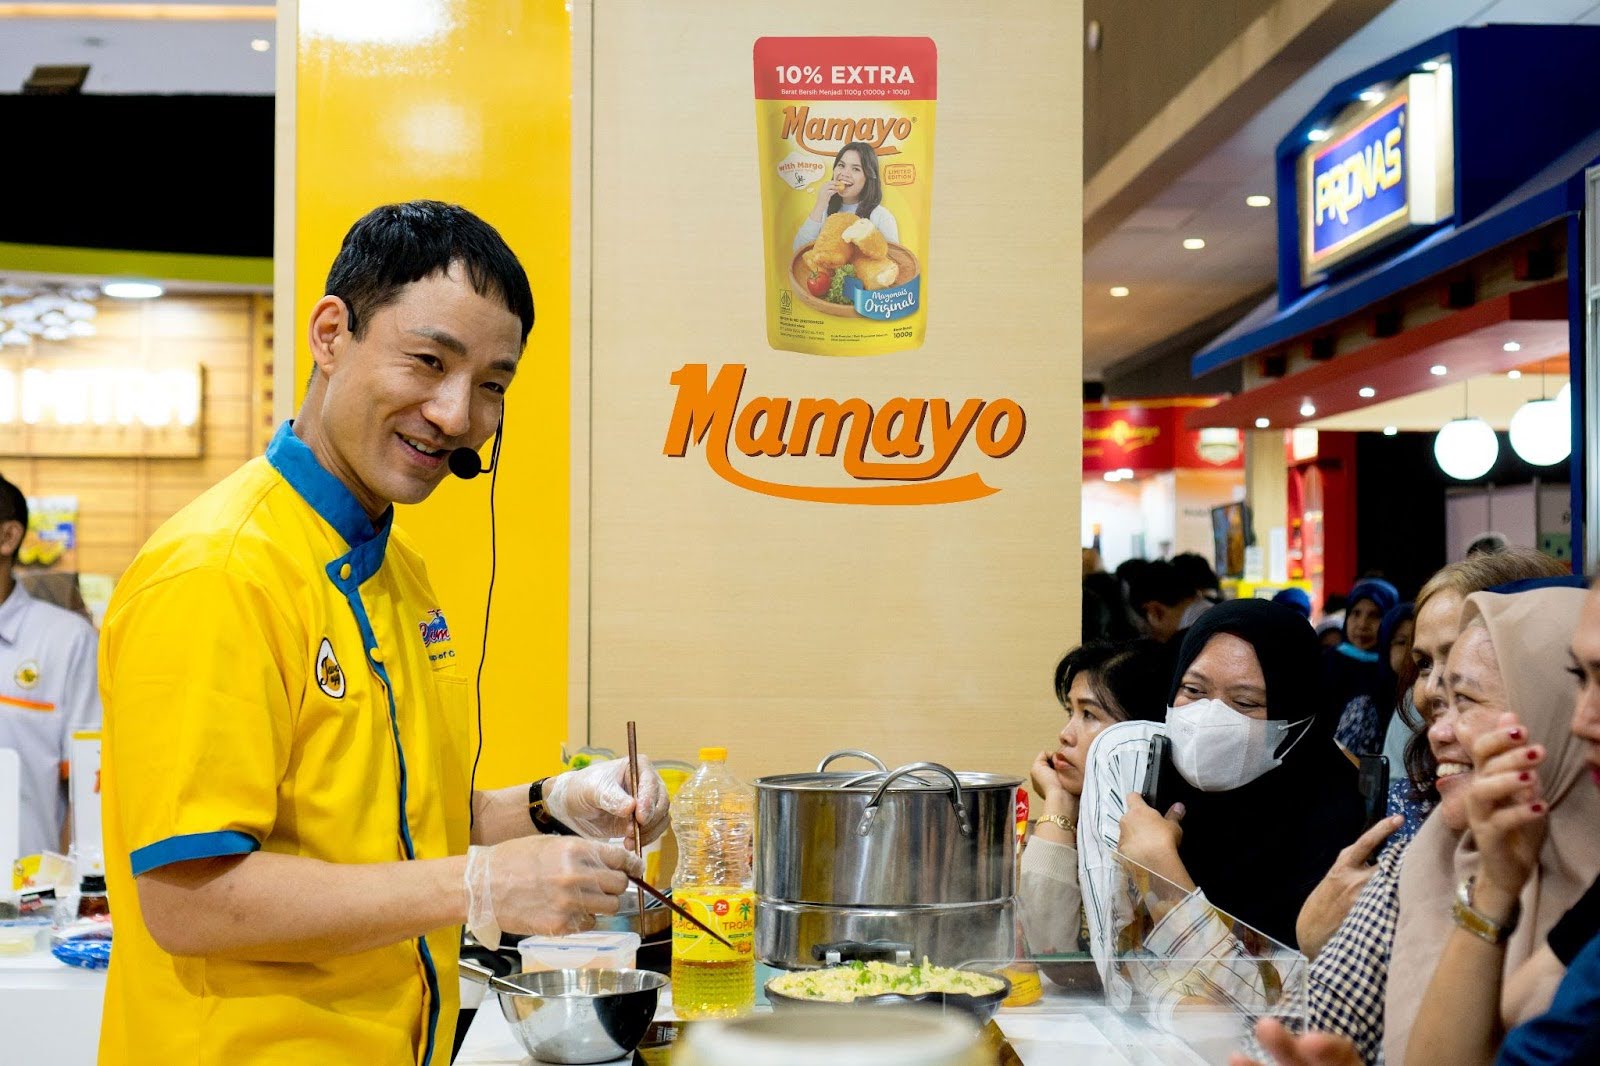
(330, 676)
(28, 674)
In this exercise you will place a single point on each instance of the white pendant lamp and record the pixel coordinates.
(1541, 432)
(1466, 448)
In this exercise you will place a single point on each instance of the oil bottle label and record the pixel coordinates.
(731, 912)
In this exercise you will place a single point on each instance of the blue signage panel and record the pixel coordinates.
(1358, 182)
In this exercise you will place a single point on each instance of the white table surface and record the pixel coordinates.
(49, 1011)
(1060, 1028)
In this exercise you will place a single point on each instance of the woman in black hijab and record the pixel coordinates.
(1259, 799)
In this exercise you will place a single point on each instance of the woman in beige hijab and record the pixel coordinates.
(1512, 656)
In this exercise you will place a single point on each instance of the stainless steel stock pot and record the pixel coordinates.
(914, 861)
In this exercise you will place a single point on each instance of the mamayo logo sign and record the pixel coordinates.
(896, 451)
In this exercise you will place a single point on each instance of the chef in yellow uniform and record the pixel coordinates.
(292, 842)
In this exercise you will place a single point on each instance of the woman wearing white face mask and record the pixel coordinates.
(1266, 798)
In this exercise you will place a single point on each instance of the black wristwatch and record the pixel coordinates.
(540, 814)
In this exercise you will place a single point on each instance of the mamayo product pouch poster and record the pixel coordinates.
(845, 130)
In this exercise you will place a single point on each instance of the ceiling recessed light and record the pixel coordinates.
(1367, 392)
(1317, 135)
(1111, 475)
(1263, 423)
(1431, 65)
(1389, 431)
(1514, 375)
(1124, 473)
(1258, 200)
(132, 290)
(1307, 409)
(1119, 291)
(260, 44)
(1372, 96)
(1438, 370)
(1194, 244)
(1511, 346)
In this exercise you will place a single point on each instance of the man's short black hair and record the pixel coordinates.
(395, 245)
(1159, 582)
(13, 508)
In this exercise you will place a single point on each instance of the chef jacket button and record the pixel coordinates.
(344, 572)
(375, 654)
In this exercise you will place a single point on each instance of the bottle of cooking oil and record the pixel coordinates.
(713, 818)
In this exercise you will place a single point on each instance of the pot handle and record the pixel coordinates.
(956, 799)
(862, 951)
(853, 753)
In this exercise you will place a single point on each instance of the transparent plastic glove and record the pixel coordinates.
(544, 884)
(595, 802)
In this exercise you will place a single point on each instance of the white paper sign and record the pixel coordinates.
(10, 816)
(86, 836)
(1278, 555)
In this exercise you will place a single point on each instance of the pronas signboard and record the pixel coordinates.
(1382, 171)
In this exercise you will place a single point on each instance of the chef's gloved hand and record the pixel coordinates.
(594, 802)
(549, 885)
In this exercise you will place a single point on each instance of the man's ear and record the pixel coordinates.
(330, 320)
(11, 534)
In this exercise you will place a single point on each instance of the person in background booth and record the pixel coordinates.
(1168, 601)
(1351, 667)
(1296, 600)
(1366, 718)
(48, 688)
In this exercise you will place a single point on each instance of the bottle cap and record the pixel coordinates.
(713, 754)
(94, 883)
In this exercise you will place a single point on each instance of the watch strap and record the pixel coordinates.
(543, 820)
(1476, 922)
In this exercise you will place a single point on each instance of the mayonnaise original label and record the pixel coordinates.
(845, 129)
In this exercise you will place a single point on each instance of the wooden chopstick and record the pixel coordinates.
(645, 886)
(638, 842)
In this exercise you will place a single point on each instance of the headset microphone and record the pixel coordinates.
(465, 463)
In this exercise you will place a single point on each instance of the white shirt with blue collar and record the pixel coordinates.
(48, 691)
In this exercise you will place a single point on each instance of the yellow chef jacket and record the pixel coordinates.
(276, 674)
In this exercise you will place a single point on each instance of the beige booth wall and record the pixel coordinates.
(784, 629)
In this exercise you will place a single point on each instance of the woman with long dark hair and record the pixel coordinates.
(854, 188)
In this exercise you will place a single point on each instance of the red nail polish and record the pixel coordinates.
(1515, 734)
(1538, 808)
(1532, 754)
(1524, 776)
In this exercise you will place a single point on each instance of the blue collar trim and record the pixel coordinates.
(326, 494)
(1351, 651)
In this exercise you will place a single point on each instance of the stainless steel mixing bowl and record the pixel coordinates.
(577, 1016)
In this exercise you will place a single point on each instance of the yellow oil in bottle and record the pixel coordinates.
(708, 979)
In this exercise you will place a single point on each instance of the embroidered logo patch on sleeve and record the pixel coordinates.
(330, 677)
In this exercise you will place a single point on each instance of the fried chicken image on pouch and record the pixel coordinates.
(865, 236)
(830, 250)
(876, 273)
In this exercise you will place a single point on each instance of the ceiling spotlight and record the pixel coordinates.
(1431, 65)
(1307, 409)
(1514, 375)
(1438, 370)
(1194, 244)
(1119, 291)
(1511, 346)
(1112, 475)
(1389, 431)
(132, 290)
(1317, 136)
(1366, 392)
(1263, 423)
(1258, 201)
(1372, 96)
(260, 44)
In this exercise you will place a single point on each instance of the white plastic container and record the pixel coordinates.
(579, 951)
